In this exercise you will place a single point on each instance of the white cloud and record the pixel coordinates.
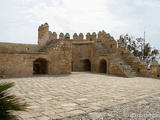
(75, 16)
(148, 3)
(117, 17)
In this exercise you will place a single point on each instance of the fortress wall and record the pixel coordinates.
(43, 34)
(66, 55)
(58, 61)
(111, 69)
(155, 69)
(61, 57)
(108, 41)
(97, 60)
(18, 64)
(43, 40)
(140, 67)
(13, 47)
(115, 70)
(81, 37)
(91, 37)
(80, 52)
(78, 37)
(18, 59)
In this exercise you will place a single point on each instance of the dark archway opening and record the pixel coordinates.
(138, 70)
(103, 66)
(40, 66)
(86, 65)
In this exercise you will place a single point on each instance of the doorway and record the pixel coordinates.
(103, 66)
(86, 65)
(40, 66)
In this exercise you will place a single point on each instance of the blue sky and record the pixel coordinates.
(20, 18)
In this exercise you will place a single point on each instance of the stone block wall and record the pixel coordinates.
(80, 52)
(61, 57)
(64, 55)
(18, 48)
(12, 64)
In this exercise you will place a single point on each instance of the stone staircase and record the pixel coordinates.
(116, 59)
(50, 44)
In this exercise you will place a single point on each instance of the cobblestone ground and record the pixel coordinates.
(57, 97)
(147, 108)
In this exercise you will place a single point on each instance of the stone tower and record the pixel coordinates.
(43, 34)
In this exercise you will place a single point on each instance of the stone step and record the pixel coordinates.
(116, 59)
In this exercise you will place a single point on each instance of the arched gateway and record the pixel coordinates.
(40, 66)
(103, 66)
(86, 65)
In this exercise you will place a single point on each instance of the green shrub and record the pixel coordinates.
(8, 103)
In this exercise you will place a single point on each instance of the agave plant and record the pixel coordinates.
(8, 103)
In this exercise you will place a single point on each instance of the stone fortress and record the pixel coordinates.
(62, 55)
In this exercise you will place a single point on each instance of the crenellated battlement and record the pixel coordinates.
(45, 36)
(115, 47)
(53, 36)
(103, 37)
(43, 30)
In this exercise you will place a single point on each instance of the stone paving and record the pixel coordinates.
(56, 97)
(147, 108)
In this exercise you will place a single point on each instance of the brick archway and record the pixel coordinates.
(103, 66)
(40, 66)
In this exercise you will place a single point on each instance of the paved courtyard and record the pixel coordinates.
(56, 97)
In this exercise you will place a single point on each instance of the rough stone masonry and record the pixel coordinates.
(62, 55)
